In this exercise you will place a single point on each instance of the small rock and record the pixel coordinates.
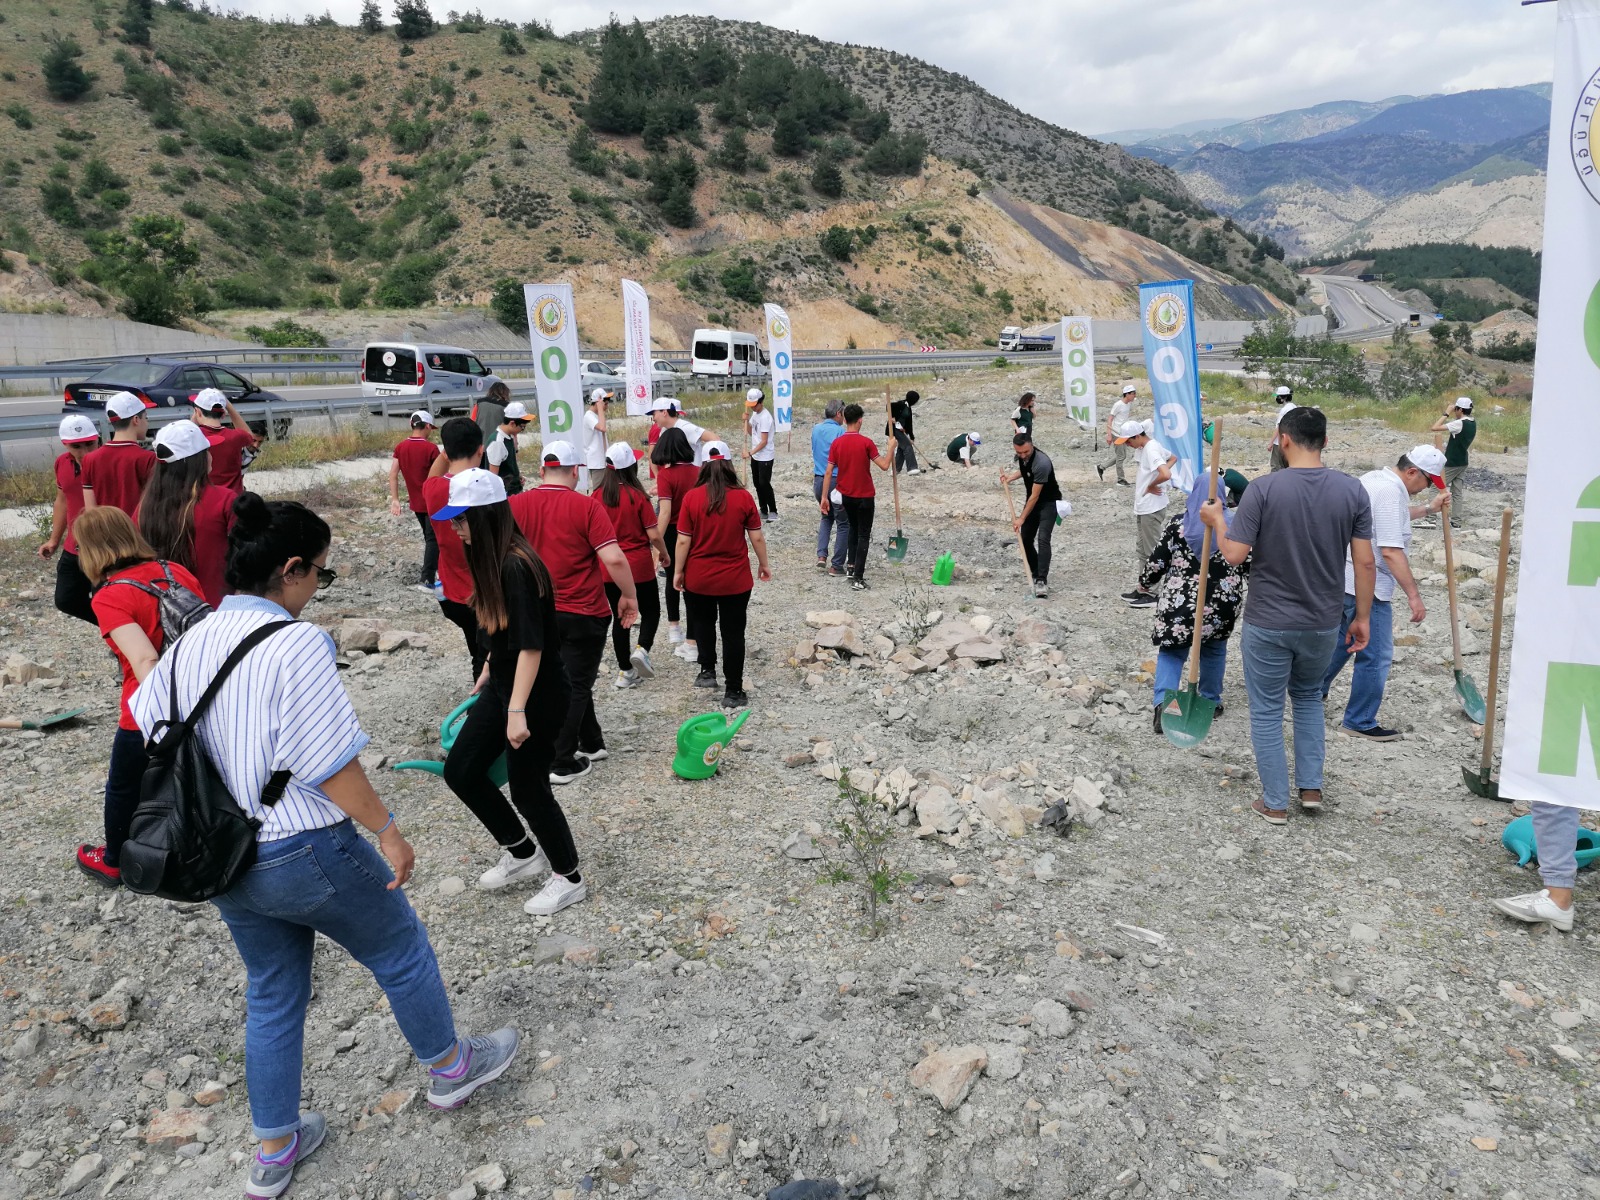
(1486, 1144)
(81, 1172)
(452, 885)
(1051, 1018)
(171, 1128)
(28, 1159)
(947, 1075)
(803, 759)
(212, 1092)
(719, 1145)
(842, 637)
(1005, 1061)
(344, 1042)
(1044, 868)
(465, 1192)
(1086, 794)
(1005, 815)
(395, 1102)
(801, 846)
(1078, 1001)
(830, 617)
(110, 1011)
(1228, 851)
(1567, 1018)
(1366, 935)
(581, 956)
(21, 669)
(1345, 985)
(491, 1177)
(808, 1189)
(937, 808)
(26, 1044)
(1033, 631)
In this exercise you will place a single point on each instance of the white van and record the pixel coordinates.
(726, 352)
(456, 376)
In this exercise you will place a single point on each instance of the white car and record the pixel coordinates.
(451, 378)
(668, 379)
(599, 374)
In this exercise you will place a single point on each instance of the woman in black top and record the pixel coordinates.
(522, 698)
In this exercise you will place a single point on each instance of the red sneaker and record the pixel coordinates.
(92, 862)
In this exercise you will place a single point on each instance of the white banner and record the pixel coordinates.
(1552, 736)
(553, 334)
(781, 351)
(636, 347)
(1077, 370)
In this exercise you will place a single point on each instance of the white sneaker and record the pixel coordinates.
(511, 869)
(914, 471)
(1536, 908)
(599, 755)
(688, 651)
(427, 589)
(627, 679)
(674, 635)
(642, 664)
(560, 892)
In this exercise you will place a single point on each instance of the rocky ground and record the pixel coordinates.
(1146, 992)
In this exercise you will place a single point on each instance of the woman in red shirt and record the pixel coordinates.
(634, 518)
(119, 565)
(78, 436)
(182, 515)
(676, 474)
(713, 569)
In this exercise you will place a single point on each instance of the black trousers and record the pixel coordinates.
(649, 620)
(905, 454)
(72, 589)
(761, 476)
(860, 511)
(430, 550)
(128, 761)
(462, 616)
(1037, 527)
(672, 561)
(583, 645)
(479, 742)
(706, 613)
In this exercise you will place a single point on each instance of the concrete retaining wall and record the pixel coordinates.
(29, 339)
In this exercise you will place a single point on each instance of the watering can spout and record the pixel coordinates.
(422, 764)
(701, 741)
(448, 728)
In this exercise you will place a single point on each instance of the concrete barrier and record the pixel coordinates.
(29, 339)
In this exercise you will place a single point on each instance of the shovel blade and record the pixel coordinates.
(1480, 783)
(58, 718)
(1471, 701)
(898, 545)
(1186, 718)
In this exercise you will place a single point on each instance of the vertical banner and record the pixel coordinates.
(781, 351)
(1166, 311)
(1552, 735)
(1077, 370)
(636, 347)
(553, 334)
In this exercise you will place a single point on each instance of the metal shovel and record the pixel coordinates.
(899, 543)
(1466, 690)
(42, 722)
(1482, 782)
(1186, 716)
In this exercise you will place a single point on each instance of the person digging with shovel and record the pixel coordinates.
(1038, 519)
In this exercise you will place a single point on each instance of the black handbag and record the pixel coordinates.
(189, 840)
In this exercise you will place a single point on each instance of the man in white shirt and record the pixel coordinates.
(1284, 399)
(1153, 472)
(763, 450)
(594, 438)
(1121, 414)
(669, 416)
(1389, 491)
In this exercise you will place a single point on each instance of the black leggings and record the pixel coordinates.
(479, 742)
(706, 613)
(672, 563)
(72, 589)
(860, 511)
(761, 476)
(462, 616)
(583, 645)
(430, 550)
(649, 619)
(128, 761)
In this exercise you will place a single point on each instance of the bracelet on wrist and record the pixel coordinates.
(385, 829)
(516, 710)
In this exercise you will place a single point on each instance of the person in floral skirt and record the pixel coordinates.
(1175, 565)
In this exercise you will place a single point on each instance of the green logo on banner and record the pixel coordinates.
(1591, 325)
(1571, 698)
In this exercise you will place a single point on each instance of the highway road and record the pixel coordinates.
(1365, 310)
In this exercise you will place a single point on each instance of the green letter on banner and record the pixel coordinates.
(560, 417)
(1571, 697)
(554, 363)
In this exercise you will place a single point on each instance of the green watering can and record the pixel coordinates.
(700, 743)
(944, 570)
(447, 738)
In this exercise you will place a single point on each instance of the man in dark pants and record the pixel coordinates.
(1038, 519)
(902, 431)
(762, 453)
(463, 450)
(850, 461)
(574, 536)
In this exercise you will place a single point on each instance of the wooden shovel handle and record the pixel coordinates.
(1011, 507)
(894, 445)
(1450, 583)
(1494, 642)
(1205, 561)
(12, 723)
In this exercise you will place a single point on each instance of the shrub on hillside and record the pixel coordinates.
(409, 282)
(285, 332)
(352, 292)
(136, 16)
(371, 17)
(837, 243)
(827, 179)
(508, 305)
(414, 20)
(896, 154)
(303, 112)
(346, 176)
(743, 281)
(153, 92)
(677, 207)
(64, 77)
(510, 43)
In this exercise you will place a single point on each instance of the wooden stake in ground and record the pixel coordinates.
(1482, 782)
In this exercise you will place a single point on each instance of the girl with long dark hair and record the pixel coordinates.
(184, 518)
(676, 474)
(523, 695)
(713, 569)
(638, 533)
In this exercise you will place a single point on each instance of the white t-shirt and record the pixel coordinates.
(762, 422)
(696, 436)
(1121, 410)
(594, 442)
(1150, 460)
(1391, 527)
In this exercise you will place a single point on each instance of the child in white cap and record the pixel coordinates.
(413, 458)
(593, 449)
(183, 516)
(635, 520)
(77, 436)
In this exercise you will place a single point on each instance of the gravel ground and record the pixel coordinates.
(1174, 998)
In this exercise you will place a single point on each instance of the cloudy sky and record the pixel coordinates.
(1100, 65)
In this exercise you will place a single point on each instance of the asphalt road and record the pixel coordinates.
(1365, 308)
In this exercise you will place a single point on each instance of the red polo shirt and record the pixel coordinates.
(718, 563)
(416, 455)
(851, 455)
(567, 530)
(117, 472)
(227, 455)
(69, 481)
(632, 517)
(454, 573)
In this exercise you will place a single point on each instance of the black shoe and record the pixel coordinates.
(565, 770)
(1376, 734)
(858, 585)
(1100, 471)
(1138, 599)
(1124, 483)
(735, 700)
(1218, 711)
(1158, 722)
(706, 679)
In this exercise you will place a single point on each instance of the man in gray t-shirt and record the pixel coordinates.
(1296, 526)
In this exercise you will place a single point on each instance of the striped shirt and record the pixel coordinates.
(283, 708)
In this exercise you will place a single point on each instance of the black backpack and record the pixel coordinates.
(189, 840)
(180, 609)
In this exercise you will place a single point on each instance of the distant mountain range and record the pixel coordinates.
(1466, 167)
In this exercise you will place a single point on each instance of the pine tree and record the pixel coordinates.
(64, 79)
(371, 17)
(789, 135)
(734, 153)
(678, 208)
(827, 179)
(414, 20)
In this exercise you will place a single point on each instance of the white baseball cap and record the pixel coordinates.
(210, 400)
(598, 395)
(665, 404)
(754, 396)
(422, 417)
(1128, 389)
(1430, 461)
(560, 454)
(1283, 391)
(1129, 429)
(516, 411)
(718, 450)
(1464, 403)
(77, 428)
(1148, 426)
(621, 455)
(180, 440)
(975, 438)
(124, 405)
(473, 488)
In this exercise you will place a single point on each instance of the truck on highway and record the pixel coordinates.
(1012, 338)
(1415, 320)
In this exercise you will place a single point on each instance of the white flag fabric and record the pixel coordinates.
(553, 334)
(1552, 735)
(1077, 370)
(636, 347)
(781, 351)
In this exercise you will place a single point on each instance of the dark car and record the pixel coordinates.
(164, 383)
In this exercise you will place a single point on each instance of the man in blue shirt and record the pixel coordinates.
(834, 521)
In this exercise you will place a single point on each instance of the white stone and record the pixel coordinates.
(85, 1169)
(937, 809)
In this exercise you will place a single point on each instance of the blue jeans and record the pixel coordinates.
(835, 524)
(1171, 665)
(334, 882)
(1371, 673)
(1555, 839)
(1279, 663)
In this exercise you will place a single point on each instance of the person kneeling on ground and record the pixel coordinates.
(964, 449)
(1174, 565)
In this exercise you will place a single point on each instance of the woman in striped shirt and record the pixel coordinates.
(284, 709)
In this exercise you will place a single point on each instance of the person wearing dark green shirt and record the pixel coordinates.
(1458, 422)
(1022, 417)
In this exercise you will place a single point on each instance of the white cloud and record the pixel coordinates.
(1095, 65)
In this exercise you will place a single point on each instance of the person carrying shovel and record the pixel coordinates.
(1038, 519)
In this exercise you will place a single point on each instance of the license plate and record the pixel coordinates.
(387, 391)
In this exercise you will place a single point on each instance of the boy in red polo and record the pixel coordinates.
(79, 436)
(850, 461)
(463, 450)
(412, 458)
(229, 447)
(116, 473)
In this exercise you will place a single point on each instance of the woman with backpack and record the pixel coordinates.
(676, 474)
(514, 601)
(181, 515)
(282, 736)
(636, 523)
(129, 583)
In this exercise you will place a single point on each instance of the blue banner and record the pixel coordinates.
(1166, 311)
